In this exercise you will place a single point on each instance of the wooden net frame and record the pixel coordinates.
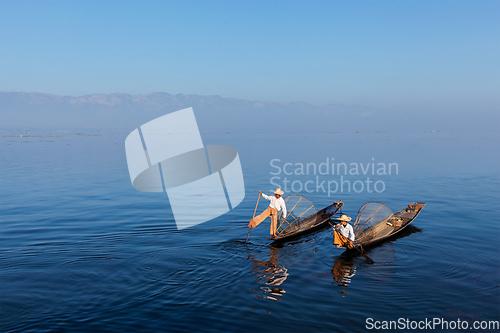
(299, 211)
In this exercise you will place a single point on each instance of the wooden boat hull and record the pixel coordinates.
(318, 221)
(395, 224)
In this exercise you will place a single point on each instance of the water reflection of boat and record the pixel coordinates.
(343, 270)
(269, 273)
(344, 267)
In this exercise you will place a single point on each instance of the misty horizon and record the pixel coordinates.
(38, 111)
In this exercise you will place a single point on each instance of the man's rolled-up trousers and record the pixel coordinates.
(339, 239)
(269, 212)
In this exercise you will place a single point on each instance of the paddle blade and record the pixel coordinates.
(368, 259)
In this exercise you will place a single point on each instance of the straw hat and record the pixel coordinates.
(344, 218)
(279, 191)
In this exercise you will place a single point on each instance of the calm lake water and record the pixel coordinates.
(81, 250)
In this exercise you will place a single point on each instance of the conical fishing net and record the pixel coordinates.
(301, 213)
(373, 222)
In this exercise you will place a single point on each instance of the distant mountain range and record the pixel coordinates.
(38, 111)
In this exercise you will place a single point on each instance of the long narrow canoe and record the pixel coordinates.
(376, 222)
(298, 227)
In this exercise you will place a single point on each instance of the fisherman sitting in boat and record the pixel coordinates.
(344, 236)
(275, 205)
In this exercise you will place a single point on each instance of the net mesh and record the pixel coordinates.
(373, 222)
(301, 212)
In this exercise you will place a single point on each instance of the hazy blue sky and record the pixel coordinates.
(434, 55)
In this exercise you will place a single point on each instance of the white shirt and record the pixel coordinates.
(277, 204)
(347, 231)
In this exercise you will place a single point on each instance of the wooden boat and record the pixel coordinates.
(376, 222)
(296, 225)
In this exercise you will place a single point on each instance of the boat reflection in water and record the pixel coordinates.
(270, 274)
(343, 270)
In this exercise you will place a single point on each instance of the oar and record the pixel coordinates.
(248, 234)
(362, 251)
(368, 259)
(250, 228)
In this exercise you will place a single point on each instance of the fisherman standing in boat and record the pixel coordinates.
(344, 236)
(276, 204)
